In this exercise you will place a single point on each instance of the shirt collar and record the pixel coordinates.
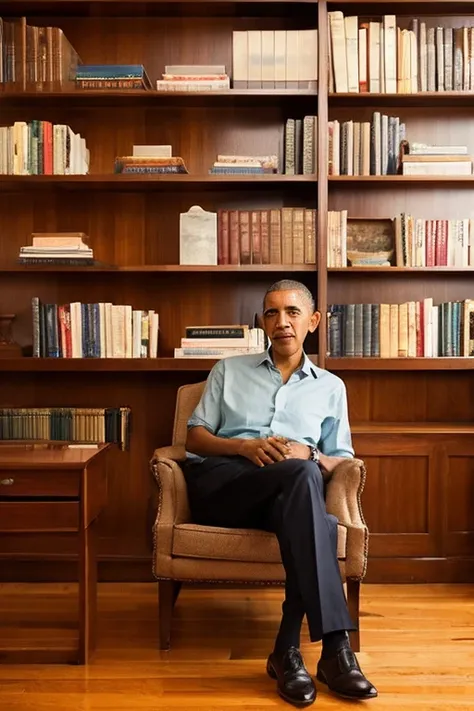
(307, 367)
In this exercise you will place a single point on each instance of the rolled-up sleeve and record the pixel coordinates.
(336, 440)
(208, 412)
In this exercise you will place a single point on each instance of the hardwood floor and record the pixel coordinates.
(417, 641)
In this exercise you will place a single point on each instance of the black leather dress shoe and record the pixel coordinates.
(294, 683)
(344, 677)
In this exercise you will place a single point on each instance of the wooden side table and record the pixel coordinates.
(57, 489)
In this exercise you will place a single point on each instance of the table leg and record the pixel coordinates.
(87, 592)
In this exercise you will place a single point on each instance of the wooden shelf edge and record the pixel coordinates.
(152, 94)
(115, 178)
(399, 270)
(400, 179)
(138, 365)
(170, 268)
(340, 364)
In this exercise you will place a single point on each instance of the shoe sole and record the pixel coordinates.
(362, 697)
(272, 674)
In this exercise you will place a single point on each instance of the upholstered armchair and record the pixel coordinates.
(186, 552)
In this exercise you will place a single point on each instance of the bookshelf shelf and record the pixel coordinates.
(151, 268)
(403, 364)
(125, 365)
(134, 183)
(440, 99)
(99, 98)
(400, 180)
(421, 271)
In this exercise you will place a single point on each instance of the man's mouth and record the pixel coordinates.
(284, 336)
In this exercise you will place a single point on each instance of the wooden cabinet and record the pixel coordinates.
(58, 491)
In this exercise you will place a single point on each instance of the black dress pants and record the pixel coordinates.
(286, 498)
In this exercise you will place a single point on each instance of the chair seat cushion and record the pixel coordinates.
(238, 544)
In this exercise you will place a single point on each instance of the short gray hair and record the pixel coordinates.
(292, 285)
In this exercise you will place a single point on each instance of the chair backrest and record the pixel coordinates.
(186, 401)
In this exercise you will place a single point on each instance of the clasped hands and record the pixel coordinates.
(268, 450)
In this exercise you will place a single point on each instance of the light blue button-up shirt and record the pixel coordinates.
(245, 397)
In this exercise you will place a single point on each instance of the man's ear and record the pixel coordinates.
(314, 321)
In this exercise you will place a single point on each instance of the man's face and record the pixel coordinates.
(287, 318)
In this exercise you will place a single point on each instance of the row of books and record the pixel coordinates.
(377, 56)
(402, 241)
(221, 341)
(41, 57)
(42, 148)
(273, 236)
(100, 330)
(367, 147)
(415, 329)
(67, 424)
(301, 146)
(275, 59)
(434, 243)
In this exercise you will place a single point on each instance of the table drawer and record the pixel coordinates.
(40, 516)
(17, 483)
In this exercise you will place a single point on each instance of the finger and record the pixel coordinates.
(263, 456)
(273, 452)
(282, 447)
(259, 462)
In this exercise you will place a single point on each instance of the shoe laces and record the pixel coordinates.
(294, 658)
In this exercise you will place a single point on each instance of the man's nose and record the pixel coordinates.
(282, 320)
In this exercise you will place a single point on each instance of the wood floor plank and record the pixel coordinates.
(417, 648)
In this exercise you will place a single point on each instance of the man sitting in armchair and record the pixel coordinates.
(266, 427)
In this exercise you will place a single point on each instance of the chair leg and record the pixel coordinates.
(176, 590)
(168, 591)
(353, 594)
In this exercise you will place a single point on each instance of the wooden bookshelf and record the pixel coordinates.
(133, 222)
(148, 268)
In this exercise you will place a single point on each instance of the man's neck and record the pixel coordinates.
(288, 365)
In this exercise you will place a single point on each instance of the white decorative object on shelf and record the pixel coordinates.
(198, 237)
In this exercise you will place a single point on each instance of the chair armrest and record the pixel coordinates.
(343, 500)
(173, 503)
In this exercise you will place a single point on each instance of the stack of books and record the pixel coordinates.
(238, 165)
(101, 330)
(422, 159)
(57, 248)
(150, 160)
(220, 341)
(42, 148)
(112, 76)
(182, 77)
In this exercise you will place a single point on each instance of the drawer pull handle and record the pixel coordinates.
(7, 482)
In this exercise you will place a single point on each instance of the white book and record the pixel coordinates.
(152, 151)
(352, 53)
